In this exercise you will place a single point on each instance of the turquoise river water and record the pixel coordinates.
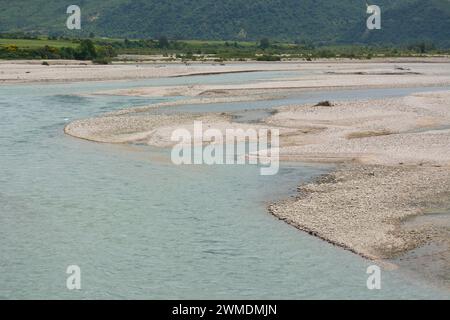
(142, 228)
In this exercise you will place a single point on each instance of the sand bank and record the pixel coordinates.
(333, 69)
(152, 129)
(313, 77)
(387, 132)
(70, 71)
(396, 167)
(362, 207)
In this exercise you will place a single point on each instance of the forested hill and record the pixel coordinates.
(322, 21)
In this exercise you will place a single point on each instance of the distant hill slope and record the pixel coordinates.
(325, 21)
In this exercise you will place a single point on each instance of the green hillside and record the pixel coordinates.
(321, 21)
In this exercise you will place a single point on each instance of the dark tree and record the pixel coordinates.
(264, 43)
(163, 42)
(86, 50)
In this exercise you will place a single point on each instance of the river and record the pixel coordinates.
(142, 228)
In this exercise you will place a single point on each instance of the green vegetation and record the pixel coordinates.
(103, 50)
(323, 22)
(84, 49)
(37, 43)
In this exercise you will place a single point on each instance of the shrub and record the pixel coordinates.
(103, 61)
(86, 50)
(268, 58)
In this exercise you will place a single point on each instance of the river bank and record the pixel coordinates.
(345, 71)
(395, 167)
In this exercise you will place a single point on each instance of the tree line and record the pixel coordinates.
(86, 50)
